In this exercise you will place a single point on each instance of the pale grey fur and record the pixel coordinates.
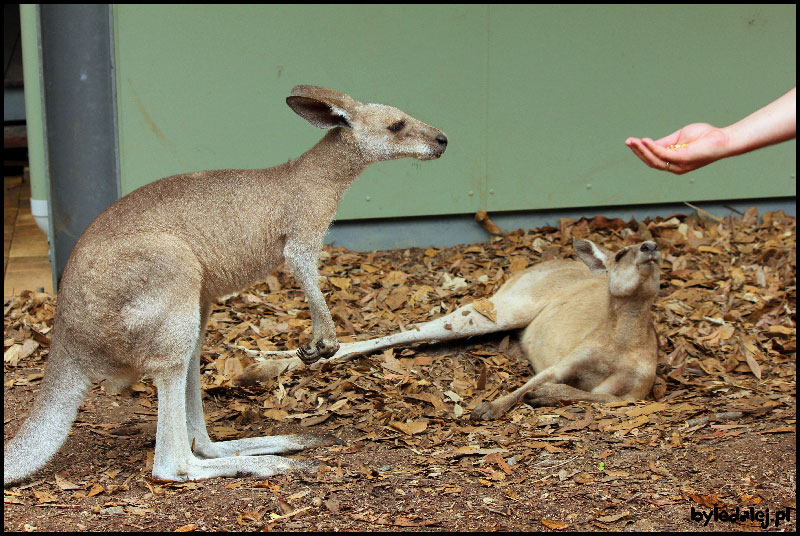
(136, 292)
(588, 334)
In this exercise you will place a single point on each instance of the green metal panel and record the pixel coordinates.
(568, 85)
(33, 99)
(204, 87)
(536, 100)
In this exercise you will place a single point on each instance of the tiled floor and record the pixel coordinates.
(26, 265)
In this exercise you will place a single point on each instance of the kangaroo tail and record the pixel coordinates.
(41, 435)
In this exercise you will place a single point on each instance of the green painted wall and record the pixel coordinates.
(205, 87)
(29, 22)
(536, 100)
(568, 84)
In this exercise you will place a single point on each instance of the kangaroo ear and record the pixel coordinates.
(319, 113)
(342, 100)
(594, 256)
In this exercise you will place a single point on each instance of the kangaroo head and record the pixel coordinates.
(632, 271)
(377, 131)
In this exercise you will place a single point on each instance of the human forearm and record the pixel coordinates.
(774, 123)
(698, 144)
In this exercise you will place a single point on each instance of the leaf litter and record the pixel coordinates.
(718, 429)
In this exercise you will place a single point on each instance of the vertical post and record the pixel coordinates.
(79, 107)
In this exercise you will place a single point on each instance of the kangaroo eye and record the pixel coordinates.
(397, 127)
(620, 255)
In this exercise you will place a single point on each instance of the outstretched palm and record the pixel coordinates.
(687, 149)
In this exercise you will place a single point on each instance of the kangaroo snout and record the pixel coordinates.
(441, 145)
(649, 253)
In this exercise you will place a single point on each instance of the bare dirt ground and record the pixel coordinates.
(716, 437)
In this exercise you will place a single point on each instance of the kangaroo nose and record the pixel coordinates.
(649, 246)
(442, 139)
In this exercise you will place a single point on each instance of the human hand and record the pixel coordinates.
(687, 149)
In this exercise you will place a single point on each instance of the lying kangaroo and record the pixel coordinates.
(139, 284)
(588, 334)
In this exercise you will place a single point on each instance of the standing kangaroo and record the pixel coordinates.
(137, 289)
(588, 334)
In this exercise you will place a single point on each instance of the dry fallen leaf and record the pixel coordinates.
(45, 497)
(12, 355)
(613, 518)
(646, 410)
(554, 525)
(627, 425)
(486, 308)
(64, 484)
(96, 490)
(410, 428)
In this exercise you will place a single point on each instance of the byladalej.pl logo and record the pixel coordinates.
(744, 515)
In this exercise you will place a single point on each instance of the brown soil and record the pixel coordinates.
(716, 436)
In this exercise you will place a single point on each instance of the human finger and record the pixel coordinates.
(634, 146)
(676, 154)
(663, 159)
(670, 139)
(648, 157)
